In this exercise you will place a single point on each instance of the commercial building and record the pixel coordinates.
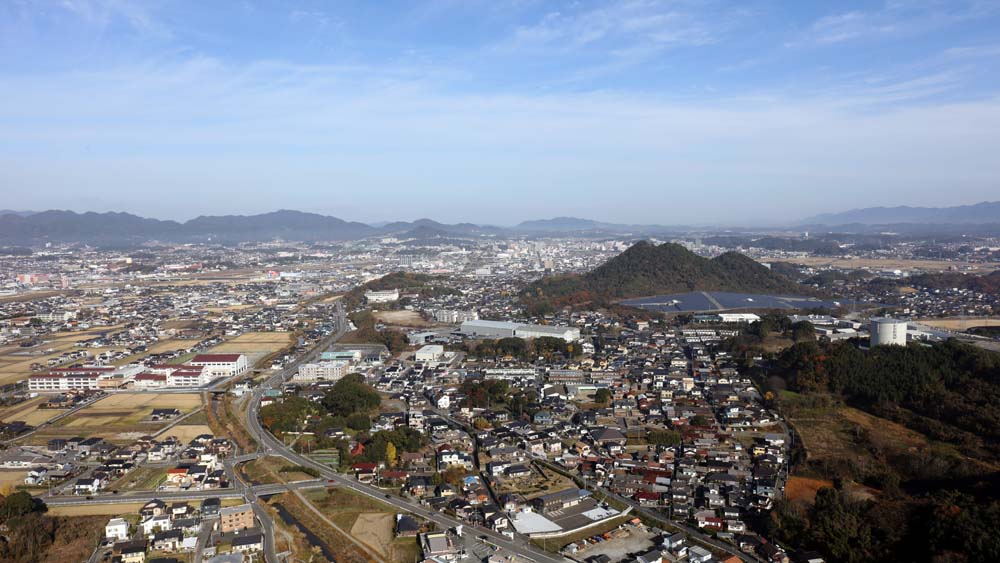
(504, 329)
(429, 353)
(453, 316)
(386, 296)
(888, 331)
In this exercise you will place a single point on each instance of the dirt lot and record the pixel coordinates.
(804, 488)
(374, 529)
(11, 479)
(402, 318)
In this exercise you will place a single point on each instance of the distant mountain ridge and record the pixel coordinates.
(125, 228)
(646, 269)
(980, 213)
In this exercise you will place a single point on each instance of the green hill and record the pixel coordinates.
(647, 269)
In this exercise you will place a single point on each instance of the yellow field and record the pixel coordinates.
(401, 318)
(169, 345)
(10, 479)
(123, 413)
(254, 343)
(185, 432)
(96, 509)
(15, 365)
(959, 324)
(29, 412)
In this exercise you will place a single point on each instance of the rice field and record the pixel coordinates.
(15, 362)
(119, 417)
(29, 412)
(185, 432)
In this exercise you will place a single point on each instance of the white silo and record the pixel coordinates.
(888, 331)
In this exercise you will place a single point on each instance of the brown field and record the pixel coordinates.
(959, 324)
(169, 345)
(261, 343)
(10, 479)
(118, 417)
(804, 488)
(829, 433)
(374, 529)
(881, 264)
(95, 509)
(401, 318)
(185, 432)
(29, 412)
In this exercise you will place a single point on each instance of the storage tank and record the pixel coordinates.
(888, 331)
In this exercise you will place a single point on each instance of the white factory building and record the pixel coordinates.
(221, 365)
(429, 354)
(505, 329)
(888, 331)
(451, 316)
(385, 296)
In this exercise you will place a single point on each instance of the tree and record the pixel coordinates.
(699, 420)
(603, 396)
(803, 331)
(390, 454)
(664, 437)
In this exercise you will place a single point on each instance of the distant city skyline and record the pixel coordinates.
(641, 112)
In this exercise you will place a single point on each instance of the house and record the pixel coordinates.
(159, 523)
(406, 526)
(86, 486)
(210, 507)
(116, 529)
(131, 552)
(169, 540)
(552, 502)
(248, 542)
(438, 545)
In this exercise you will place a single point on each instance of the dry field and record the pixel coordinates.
(959, 324)
(374, 529)
(11, 479)
(402, 318)
(185, 432)
(830, 433)
(880, 264)
(170, 345)
(95, 509)
(260, 343)
(118, 417)
(29, 412)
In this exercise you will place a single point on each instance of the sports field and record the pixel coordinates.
(262, 343)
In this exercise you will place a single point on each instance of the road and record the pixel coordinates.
(272, 446)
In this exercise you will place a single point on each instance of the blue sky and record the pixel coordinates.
(673, 112)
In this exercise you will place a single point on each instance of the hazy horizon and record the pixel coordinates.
(755, 113)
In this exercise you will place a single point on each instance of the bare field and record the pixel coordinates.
(401, 318)
(29, 412)
(959, 324)
(10, 479)
(119, 417)
(262, 343)
(804, 488)
(374, 529)
(95, 509)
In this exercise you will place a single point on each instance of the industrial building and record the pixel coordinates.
(429, 353)
(505, 329)
(888, 331)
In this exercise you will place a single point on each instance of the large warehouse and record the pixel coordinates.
(505, 329)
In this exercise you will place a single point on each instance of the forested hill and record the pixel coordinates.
(647, 269)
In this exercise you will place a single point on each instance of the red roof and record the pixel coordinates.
(150, 377)
(216, 358)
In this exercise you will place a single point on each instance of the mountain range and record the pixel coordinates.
(980, 213)
(29, 227)
(647, 269)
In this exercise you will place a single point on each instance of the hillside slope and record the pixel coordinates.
(646, 269)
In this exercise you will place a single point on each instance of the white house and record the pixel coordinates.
(117, 529)
(155, 524)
